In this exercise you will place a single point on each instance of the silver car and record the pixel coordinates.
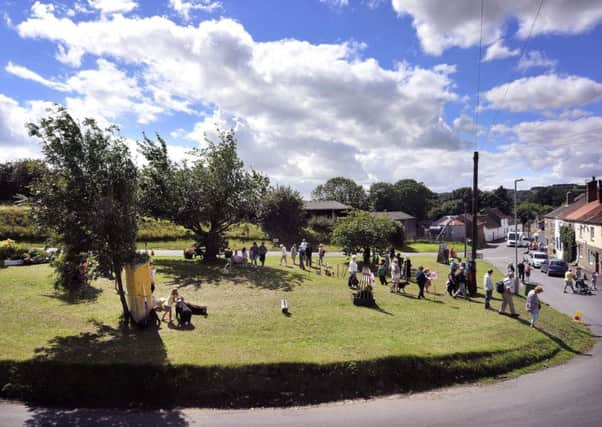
(537, 258)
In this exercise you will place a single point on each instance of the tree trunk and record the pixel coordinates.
(212, 239)
(367, 255)
(124, 305)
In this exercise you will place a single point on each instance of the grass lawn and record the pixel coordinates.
(433, 247)
(245, 326)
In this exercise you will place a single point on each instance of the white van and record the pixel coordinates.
(514, 239)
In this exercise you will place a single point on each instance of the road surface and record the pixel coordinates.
(566, 395)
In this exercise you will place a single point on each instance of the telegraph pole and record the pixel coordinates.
(475, 209)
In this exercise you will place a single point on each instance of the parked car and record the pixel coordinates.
(536, 259)
(554, 267)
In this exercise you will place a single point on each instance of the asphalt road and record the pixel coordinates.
(566, 395)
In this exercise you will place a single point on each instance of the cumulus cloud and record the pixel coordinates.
(498, 51)
(443, 24)
(535, 58)
(183, 7)
(544, 92)
(27, 74)
(113, 6)
(315, 109)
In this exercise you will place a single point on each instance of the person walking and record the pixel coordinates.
(488, 287)
(302, 247)
(408, 269)
(533, 305)
(510, 270)
(421, 281)
(253, 253)
(321, 253)
(568, 281)
(527, 272)
(521, 271)
(507, 300)
(594, 281)
(382, 273)
(294, 253)
(451, 284)
(395, 276)
(308, 251)
(283, 256)
(262, 251)
(352, 281)
(461, 283)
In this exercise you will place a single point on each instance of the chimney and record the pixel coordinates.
(591, 190)
(570, 198)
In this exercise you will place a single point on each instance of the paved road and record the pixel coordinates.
(567, 395)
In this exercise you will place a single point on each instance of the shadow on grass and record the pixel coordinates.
(186, 272)
(87, 294)
(103, 417)
(376, 307)
(559, 341)
(106, 345)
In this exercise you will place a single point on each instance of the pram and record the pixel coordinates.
(581, 287)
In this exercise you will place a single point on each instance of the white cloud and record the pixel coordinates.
(183, 7)
(465, 124)
(543, 92)
(498, 51)
(27, 74)
(113, 6)
(336, 3)
(535, 58)
(444, 24)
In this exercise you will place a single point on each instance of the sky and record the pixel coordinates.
(373, 90)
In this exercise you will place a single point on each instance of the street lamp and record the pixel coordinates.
(516, 239)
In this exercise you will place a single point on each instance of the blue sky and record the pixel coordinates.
(368, 89)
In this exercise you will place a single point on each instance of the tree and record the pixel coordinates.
(383, 196)
(567, 237)
(502, 200)
(281, 213)
(207, 197)
(87, 197)
(343, 190)
(415, 197)
(362, 231)
(527, 212)
(18, 176)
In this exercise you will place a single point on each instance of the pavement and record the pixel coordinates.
(565, 395)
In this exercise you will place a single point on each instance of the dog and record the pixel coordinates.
(183, 314)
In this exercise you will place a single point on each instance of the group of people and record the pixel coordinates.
(305, 253)
(576, 281)
(253, 257)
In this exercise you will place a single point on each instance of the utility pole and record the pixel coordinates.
(475, 237)
(516, 239)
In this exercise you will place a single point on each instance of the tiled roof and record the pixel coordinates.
(590, 212)
(324, 205)
(395, 215)
(564, 210)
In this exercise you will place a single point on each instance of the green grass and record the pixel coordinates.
(432, 247)
(245, 326)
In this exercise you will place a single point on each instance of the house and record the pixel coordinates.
(554, 220)
(496, 224)
(455, 228)
(326, 208)
(586, 220)
(407, 221)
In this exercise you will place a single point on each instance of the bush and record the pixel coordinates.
(321, 228)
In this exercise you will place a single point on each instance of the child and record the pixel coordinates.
(395, 275)
(171, 301)
(367, 278)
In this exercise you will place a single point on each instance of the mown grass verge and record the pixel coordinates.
(246, 353)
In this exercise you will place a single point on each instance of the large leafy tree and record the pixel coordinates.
(208, 196)
(361, 231)
(527, 212)
(415, 197)
(281, 213)
(384, 196)
(17, 177)
(87, 197)
(343, 190)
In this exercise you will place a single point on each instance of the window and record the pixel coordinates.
(592, 233)
(581, 232)
(591, 257)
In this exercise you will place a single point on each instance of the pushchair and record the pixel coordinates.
(581, 287)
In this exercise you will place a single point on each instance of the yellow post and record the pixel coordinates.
(138, 284)
(578, 317)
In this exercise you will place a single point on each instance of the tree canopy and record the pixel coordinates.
(343, 190)
(281, 214)
(360, 230)
(18, 176)
(206, 197)
(87, 197)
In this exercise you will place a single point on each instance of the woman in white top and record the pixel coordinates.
(283, 257)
